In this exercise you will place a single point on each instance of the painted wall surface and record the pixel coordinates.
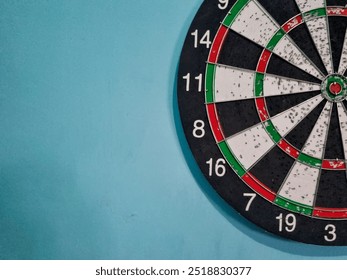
(94, 164)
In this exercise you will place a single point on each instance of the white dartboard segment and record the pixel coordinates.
(287, 120)
(319, 30)
(275, 85)
(250, 145)
(292, 54)
(301, 184)
(305, 5)
(233, 84)
(343, 60)
(316, 142)
(254, 24)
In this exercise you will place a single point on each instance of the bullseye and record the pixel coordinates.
(335, 88)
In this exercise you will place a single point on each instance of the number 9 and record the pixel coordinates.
(223, 4)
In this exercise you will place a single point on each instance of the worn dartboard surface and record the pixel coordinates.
(262, 93)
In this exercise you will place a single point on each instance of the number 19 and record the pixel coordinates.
(223, 4)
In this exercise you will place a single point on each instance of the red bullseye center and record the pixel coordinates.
(335, 88)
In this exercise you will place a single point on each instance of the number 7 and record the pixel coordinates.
(251, 196)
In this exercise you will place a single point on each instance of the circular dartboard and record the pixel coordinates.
(262, 94)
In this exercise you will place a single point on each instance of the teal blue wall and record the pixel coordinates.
(92, 162)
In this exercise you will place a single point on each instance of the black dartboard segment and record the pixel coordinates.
(262, 98)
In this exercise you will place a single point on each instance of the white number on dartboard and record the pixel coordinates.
(204, 40)
(199, 129)
(331, 236)
(251, 197)
(198, 78)
(218, 168)
(223, 4)
(287, 223)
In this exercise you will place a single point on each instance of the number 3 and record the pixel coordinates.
(332, 233)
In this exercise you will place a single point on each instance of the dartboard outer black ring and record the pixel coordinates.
(262, 92)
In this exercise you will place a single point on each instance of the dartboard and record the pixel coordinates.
(262, 95)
